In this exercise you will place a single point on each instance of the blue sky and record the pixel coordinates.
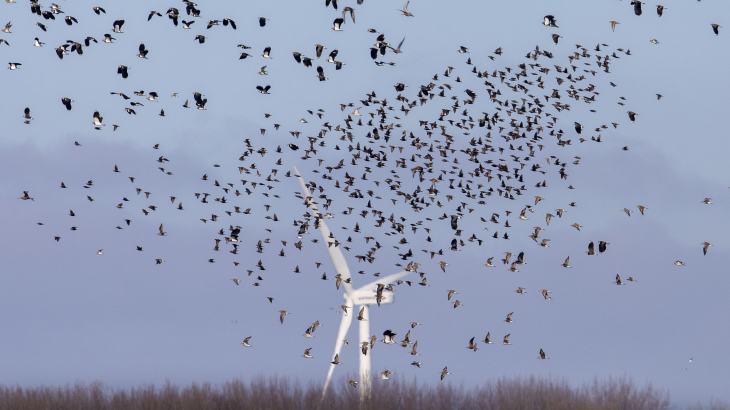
(69, 314)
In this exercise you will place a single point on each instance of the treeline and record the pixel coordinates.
(277, 393)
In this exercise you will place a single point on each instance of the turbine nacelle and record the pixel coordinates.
(367, 297)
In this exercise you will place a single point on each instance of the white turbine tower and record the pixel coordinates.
(362, 297)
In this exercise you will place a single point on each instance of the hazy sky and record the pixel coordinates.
(68, 314)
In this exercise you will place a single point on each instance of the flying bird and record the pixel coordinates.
(122, 69)
(336, 359)
(445, 371)
(550, 21)
(320, 74)
(472, 345)
(199, 100)
(98, 119)
(407, 14)
(602, 246)
(566, 263)
(705, 247)
(637, 7)
(414, 351)
(118, 26)
(142, 51)
(388, 336)
(397, 50)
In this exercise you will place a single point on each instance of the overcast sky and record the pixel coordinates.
(69, 314)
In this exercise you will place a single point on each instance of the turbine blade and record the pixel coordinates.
(341, 333)
(338, 259)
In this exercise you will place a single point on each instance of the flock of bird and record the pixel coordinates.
(479, 167)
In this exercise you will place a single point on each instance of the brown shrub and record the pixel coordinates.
(278, 393)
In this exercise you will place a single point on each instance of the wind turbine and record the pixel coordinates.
(362, 297)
